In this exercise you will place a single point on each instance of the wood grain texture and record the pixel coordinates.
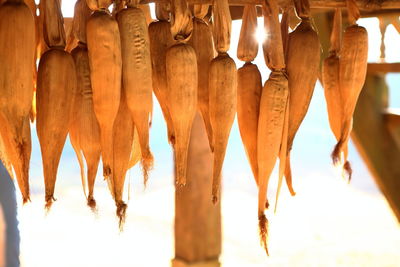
(197, 220)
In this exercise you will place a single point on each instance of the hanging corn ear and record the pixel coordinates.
(202, 43)
(352, 73)
(123, 140)
(136, 76)
(17, 52)
(104, 46)
(330, 78)
(222, 90)
(86, 132)
(182, 80)
(303, 58)
(249, 87)
(273, 113)
(160, 39)
(248, 108)
(55, 95)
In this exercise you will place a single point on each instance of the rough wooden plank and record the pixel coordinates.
(383, 67)
(374, 141)
(362, 4)
(197, 220)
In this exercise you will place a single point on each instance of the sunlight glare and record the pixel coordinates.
(260, 34)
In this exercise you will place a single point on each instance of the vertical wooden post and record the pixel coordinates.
(197, 220)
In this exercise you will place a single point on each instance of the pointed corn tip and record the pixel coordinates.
(49, 203)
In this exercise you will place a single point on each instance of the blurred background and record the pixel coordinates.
(328, 222)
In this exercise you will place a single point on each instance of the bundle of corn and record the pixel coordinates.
(123, 140)
(249, 87)
(202, 43)
(84, 130)
(17, 53)
(55, 95)
(137, 75)
(222, 90)
(273, 118)
(160, 39)
(352, 73)
(302, 61)
(104, 47)
(181, 67)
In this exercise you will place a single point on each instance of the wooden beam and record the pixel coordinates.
(362, 4)
(197, 220)
(392, 121)
(374, 141)
(374, 68)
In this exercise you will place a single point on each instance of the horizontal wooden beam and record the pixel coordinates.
(383, 67)
(362, 4)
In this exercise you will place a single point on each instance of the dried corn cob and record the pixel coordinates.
(182, 80)
(136, 75)
(160, 39)
(303, 58)
(273, 108)
(202, 43)
(105, 62)
(352, 73)
(249, 87)
(17, 52)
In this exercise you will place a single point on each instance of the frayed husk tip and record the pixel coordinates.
(147, 165)
(263, 228)
(91, 202)
(121, 214)
(348, 171)
(49, 203)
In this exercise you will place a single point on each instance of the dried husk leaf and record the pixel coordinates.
(302, 8)
(182, 101)
(248, 109)
(223, 104)
(54, 33)
(222, 24)
(181, 20)
(248, 45)
(55, 96)
(98, 4)
(137, 77)
(353, 11)
(123, 140)
(104, 46)
(202, 43)
(17, 53)
(160, 40)
(85, 130)
(330, 77)
(81, 15)
(272, 46)
(162, 10)
(136, 154)
(200, 11)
